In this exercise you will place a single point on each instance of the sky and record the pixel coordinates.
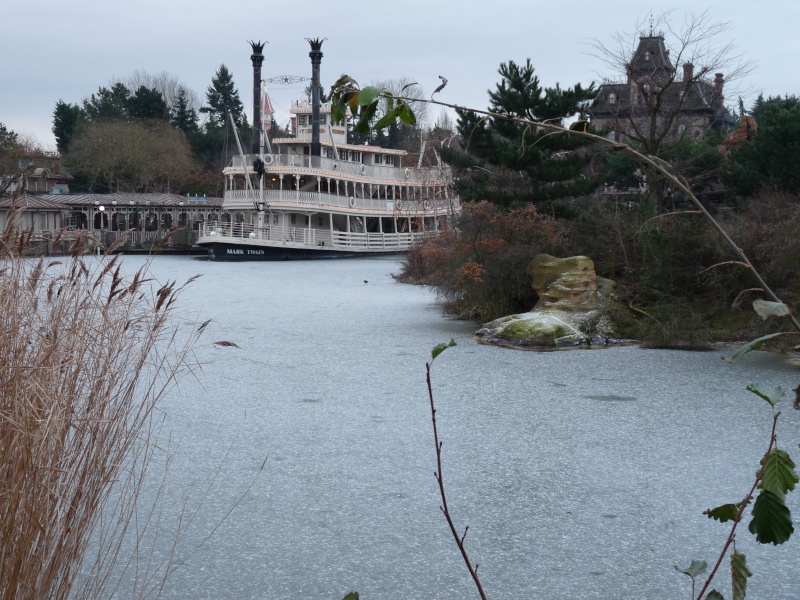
(53, 50)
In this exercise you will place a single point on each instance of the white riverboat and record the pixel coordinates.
(313, 195)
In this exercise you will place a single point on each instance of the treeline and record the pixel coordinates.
(148, 134)
(151, 133)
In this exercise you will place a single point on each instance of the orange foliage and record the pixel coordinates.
(470, 272)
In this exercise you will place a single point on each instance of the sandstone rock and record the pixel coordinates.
(568, 284)
(570, 310)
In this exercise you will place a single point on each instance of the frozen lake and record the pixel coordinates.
(581, 474)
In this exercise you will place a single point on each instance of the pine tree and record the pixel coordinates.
(511, 164)
(8, 138)
(147, 103)
(223, 98)
(66, 119)
(772, 157)
(108, 103)
(184, 117)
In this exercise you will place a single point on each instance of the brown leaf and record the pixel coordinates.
(225, 344)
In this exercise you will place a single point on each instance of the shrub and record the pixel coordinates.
(480, 271)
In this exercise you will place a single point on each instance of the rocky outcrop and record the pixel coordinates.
(571, 311)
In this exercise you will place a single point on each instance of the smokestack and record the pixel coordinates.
(316, 60)
(719, 99)
(258, 58)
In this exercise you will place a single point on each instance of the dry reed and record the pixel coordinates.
(86, 354)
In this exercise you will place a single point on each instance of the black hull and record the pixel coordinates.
(222, 251)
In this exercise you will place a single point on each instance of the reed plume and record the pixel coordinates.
(86, 354)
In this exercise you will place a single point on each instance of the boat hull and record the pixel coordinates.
(233, 252)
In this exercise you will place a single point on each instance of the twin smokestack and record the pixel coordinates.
(257, 57)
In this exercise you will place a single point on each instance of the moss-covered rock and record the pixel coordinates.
(571, 311)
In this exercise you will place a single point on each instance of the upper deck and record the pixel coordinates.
(329, 167)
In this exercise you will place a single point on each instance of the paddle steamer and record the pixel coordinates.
(313, 195)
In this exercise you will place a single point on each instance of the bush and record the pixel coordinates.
(480, 271)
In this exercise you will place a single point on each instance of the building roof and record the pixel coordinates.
(651, 59)
(65, 201)
(32, 202)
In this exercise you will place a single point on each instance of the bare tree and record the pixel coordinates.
(167, 84)
(405, 86)
(139, 156)
(20, 154)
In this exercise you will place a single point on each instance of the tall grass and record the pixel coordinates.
(86, 354)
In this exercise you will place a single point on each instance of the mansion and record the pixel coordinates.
(654, 93)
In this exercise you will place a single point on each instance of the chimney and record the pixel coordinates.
(316, 60)
(688, 72)
(258, 58)
(719, 99)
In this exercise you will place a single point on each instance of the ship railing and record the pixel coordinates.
(351, 169)
(304, 236)
(243, 199)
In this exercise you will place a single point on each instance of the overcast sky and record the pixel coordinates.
(64, 51)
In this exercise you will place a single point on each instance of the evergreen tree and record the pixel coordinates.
(223, 98)
(108, 103)
(66, 119)
(772, 157)
(511, 164)
(147, 103)
(184, 117)
(9, 139)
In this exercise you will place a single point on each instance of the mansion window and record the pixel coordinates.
(612, 99)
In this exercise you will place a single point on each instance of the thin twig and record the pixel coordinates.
(473, 571)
